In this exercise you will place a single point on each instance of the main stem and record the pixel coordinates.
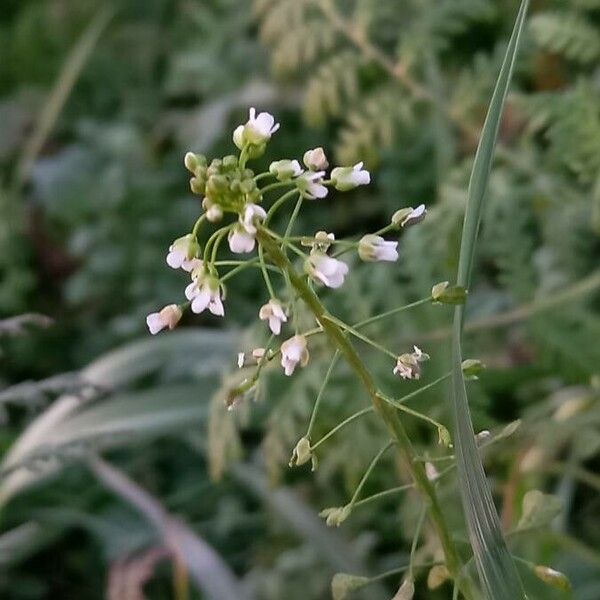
(385, 411)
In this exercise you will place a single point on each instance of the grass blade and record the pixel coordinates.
(206, 567)
(497, 571)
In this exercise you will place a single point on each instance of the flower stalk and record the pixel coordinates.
(385, 411)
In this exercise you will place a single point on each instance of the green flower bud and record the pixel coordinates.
(198, 185)
(230, 162)
(444, 293)
(554, 578)
(247, 186)
(471, 367)
(284, 170)
(344, 584)
(194, 162)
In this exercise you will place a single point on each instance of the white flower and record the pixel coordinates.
(240, 241)
(192, 265)
(372, 248)
(168, 317)
(242, 237)
(253, 213)
(326, 270)
(182, 251)
(347, 178)
(285, 169)
(257, 130)
(294, 352)
(273, 312)
(311, 185)
(315, 159)
(205, 292)
(240, 360)
(405, 217)
(408, 365)
(415, 216)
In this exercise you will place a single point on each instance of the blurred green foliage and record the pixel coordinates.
(403, 85)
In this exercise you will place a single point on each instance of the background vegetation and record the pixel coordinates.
(98, 104)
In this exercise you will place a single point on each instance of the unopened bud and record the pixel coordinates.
(344, 584)
(193, 161)
(444, 293)
(471, 367)
(552, 577)
(284, 170)
(437, 575)
(315, 159)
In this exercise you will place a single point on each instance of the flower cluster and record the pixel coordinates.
(232, 193)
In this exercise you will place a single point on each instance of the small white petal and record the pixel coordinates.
(200, 301)
(155, 323)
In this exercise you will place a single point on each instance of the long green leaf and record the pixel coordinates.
(497, 571)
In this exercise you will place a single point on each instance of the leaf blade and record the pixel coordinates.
(495, 565)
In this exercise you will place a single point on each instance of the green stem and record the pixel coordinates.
(413, 548)
(197, 225)
(313, 416)
(263, 268)
(387, 413)
(384, 494)
(339, 426)
(368, 472)
(360, 336)
(394, 311)
(290, 225)
(275, 186)
(278, 203)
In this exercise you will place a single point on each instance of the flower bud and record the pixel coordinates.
(193, 161)
(405, 217)
(554, 578)
(335, 515)
(230, 162)
(315, 159)
(168, 317)
(285, 169)
(344, 584)
(471, 367)
(444, 293)
(198, 185)
(437, 575)
(302, 453)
